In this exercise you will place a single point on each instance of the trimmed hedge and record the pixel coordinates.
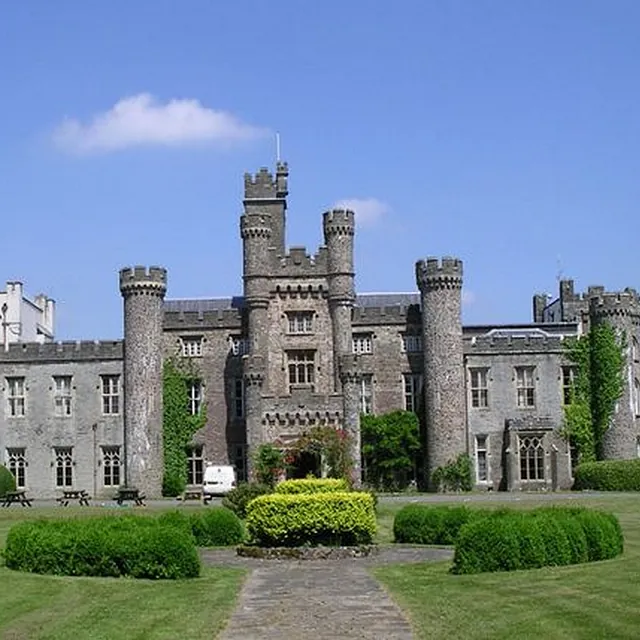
(422, 524)
(312, 485)
(511, 540)
(138, 547)
(608, 475)
(215, 527)
(237, 499)
(291, 520)
(7, 481)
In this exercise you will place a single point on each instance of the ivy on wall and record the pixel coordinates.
(178, 425)
(599, 361)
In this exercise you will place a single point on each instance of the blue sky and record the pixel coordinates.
(503, 132)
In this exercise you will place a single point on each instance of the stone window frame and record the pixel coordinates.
(366, 393)
(195, 394)
(111, 465)
(16, 462)
(301, 365)
(63, 464)
(411, 391)
(532, 467)
(525, 381)
(481, 452)
(240, 461)
(238, 345)
(299, 322)
(62, 395)
(110, 394)
(362, 343)
(479, 387)
(195, 465)
(191, 346)
(16, 396)
(411, 343)
(636, 397)
(238, 398)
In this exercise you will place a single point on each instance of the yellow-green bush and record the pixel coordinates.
(290, 520)
(312, 485)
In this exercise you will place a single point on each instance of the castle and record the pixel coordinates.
(298, 349)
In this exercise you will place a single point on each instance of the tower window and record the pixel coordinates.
(238, 345)
(366, 394)
(191, 346)
(411, 343)
(362, 343)
(301, 366)
(237, 401)
(300, 321)
(412, 384)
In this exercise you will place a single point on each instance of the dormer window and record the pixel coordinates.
(191, 346)
(300, 322)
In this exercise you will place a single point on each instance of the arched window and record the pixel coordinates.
(531, 457)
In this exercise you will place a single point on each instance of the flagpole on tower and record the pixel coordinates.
(277, 147)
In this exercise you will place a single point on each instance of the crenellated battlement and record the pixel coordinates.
(396, 314)
(297, 262)
(338, 222)
(141, 279)
(67, 351)
(621, 303)
(493, 345)
(435, 273)
(255, 225)
(263, 185)
(214, 319)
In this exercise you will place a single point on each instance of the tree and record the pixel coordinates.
(390, 445)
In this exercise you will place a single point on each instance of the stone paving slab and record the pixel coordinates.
(318, 600)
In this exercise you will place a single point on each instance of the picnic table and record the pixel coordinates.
(193, 493)
(74, 494)
(130, 494)
(12, 497)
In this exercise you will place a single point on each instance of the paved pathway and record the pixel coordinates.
(318, 600)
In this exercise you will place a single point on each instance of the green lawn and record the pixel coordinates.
(596, 600)
(51, 607)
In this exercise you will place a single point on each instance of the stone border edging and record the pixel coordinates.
(307, 553)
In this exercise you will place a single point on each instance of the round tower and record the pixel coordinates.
(350, 378)
(440, 284)
(255, 229)
(143, 291)
(339, 227)
(622, 312)
(254, 370)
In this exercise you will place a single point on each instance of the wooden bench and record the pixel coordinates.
(74, 494)
(128, 494)
(12, 497)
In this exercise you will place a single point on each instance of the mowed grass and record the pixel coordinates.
(595, 600)
(58, 608)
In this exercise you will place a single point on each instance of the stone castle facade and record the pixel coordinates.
(298, 349)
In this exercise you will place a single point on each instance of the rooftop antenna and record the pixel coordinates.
(277, 147)
(559, 274)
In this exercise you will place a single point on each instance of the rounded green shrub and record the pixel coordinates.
(111, 546)
(422, 524)
(216, 527)
(7, 481)
(608, 475)
(603, 533)
(290, 520)
(237, 499)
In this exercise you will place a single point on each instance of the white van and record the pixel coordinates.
(218, 480)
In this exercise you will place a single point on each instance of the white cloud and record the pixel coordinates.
(142, 120)
(468, 297)
(367, 211)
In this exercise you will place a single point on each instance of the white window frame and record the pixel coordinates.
(62, 395)
(482, 453)
(17, 463)
(110, 394)
(479, 387)
(299, 322)
(111, 465)
(194, 392)
(366, 393)
(195, 465)
(16, 396)
(191, 346)
(568, 378)
(411, 390)
(525, 387)
(362, 343)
